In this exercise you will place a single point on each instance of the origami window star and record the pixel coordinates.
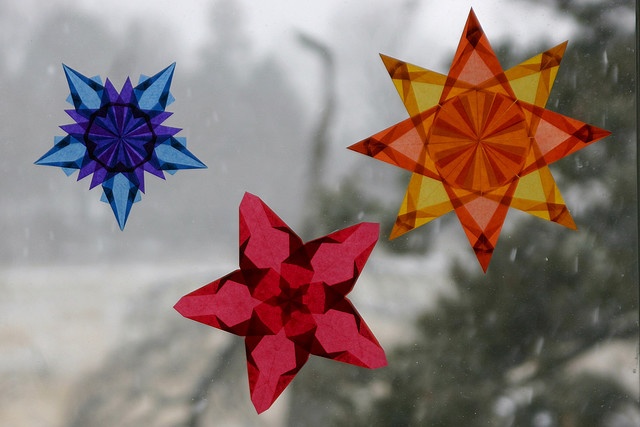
(479, 140)
(118, 136)
(288, 300)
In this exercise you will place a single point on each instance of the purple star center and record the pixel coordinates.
(120, 137)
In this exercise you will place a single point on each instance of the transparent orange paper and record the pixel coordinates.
(479, 140)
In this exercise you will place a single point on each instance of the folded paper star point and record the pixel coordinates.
(479, 140)
(117, 136)
(289, 300)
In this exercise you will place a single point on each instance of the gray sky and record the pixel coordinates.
(269, 21)
(271, 24)
(366, 103)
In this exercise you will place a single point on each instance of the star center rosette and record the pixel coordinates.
(117, 136)
(479, 140)
(288, 299)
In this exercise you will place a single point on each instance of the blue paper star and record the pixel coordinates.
(118, 136)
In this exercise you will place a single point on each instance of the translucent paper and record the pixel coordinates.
(288, 299)
(119, 135)
(479, 141)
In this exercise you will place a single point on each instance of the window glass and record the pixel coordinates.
(268, 95)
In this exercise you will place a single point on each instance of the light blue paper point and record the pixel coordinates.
(120, 193)
(153, 93)
(182, 160)
(85, 93)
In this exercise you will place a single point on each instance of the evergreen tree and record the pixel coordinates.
(508, 348)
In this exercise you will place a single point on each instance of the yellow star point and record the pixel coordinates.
(479, 140)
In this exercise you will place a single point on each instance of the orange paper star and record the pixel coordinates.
(479, 140)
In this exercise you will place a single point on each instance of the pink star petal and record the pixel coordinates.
(288, 300)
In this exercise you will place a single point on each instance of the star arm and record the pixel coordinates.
(162, 132)
(121, 191)
(533, 79)
(67, 153)
(125, 96)
(482, 217)
(425, 200)
(76, 129)
(538, 194)
(474, 61)
(343, 335)
(272, 363)
(338, 258)
(86, 93)
(173, 155)
(402, 145)
(556, 136)
(419, 88)
(265, 240)
(224, 304)
(153, 93)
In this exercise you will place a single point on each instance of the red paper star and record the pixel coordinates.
(289, 300)
(479, 140)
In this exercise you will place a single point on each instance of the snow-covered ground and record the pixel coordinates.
(58, 323)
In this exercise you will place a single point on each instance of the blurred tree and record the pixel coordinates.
(510, 337)
(330, 205)
(504, 349)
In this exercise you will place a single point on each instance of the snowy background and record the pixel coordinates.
(77, 292)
